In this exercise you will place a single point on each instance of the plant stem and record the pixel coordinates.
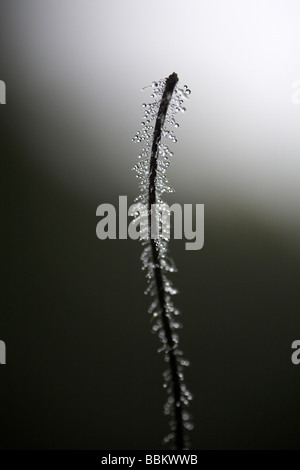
(164, 104)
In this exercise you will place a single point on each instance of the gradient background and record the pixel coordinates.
(82, 369)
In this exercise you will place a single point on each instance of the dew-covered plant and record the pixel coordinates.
(159, 115)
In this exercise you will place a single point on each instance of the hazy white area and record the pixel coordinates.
(239, 139)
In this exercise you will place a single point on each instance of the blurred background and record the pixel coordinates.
(82, 368)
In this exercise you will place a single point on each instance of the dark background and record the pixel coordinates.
(82, 369)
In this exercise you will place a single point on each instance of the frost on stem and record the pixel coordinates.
(159, 117)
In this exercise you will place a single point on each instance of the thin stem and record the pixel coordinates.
(164, 104)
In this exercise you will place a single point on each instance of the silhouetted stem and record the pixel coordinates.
(164, 104)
